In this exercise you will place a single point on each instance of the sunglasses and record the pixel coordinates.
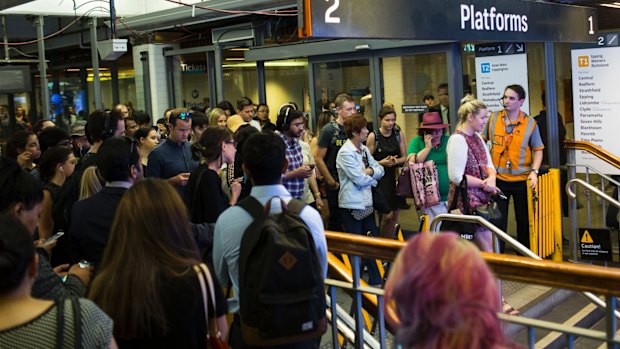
(183, 116)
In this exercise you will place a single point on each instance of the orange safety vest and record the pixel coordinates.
(511, 152)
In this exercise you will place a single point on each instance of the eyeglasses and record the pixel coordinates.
(67, 144)
(233, 143)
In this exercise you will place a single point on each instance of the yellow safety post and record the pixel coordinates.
(426, 225)
(545, 216)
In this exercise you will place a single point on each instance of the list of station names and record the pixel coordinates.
(596, 102)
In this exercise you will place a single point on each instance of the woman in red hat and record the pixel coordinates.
(430, 144)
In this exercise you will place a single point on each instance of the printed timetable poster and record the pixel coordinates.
(497, 66)
(596, 103)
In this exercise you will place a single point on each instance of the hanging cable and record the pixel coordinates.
(282, 13)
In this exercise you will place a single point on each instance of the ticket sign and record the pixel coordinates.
(496, 20)
(595, 244)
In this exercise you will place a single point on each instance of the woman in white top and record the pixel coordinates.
(468, 156)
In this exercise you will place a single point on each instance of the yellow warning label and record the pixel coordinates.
(587, 238)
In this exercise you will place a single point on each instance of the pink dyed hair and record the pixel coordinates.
(441, 294)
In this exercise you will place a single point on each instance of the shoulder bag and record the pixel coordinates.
(424, 183)
(459, 227)
(214, 337)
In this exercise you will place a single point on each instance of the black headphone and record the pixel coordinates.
(108, 130)
(284, 111)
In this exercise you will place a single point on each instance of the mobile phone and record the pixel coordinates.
(53, 238)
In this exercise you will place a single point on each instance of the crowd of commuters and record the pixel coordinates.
(87, 182)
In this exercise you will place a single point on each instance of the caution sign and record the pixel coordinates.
(595, 244)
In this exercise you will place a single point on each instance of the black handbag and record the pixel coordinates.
(379, 201)
(459, 227)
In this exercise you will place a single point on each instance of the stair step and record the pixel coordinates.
(564, 307)
(534, 302)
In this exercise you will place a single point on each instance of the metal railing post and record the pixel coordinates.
(611, 321)
(359, 318)
(334, 306)
(572, 204)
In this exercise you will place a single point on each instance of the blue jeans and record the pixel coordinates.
(368, 224)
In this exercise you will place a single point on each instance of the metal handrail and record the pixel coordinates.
(509, 240)
(599, 152)
(483, 222)
(590, 168)
(595, 190)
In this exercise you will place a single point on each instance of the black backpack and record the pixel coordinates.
(281, 286)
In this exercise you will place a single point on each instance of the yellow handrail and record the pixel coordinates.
(577, 277)
(599, 152)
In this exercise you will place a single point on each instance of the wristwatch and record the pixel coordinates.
(535, 171)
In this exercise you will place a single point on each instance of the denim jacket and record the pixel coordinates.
(355, 185)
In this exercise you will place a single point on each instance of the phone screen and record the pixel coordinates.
(53, 237)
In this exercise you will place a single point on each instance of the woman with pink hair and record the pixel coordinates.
(441, 294)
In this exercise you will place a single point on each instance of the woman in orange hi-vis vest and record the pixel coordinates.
(516, 151)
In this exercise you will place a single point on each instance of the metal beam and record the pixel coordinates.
(95, 60)
(553, 131)
(316, 48)
(187, 15)
(45, 97)
(65, 40)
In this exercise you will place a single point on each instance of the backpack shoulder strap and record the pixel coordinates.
(336, 130)
(60, 324)
(397, 133)
(252, 206)
(77, 322)
(295, 206)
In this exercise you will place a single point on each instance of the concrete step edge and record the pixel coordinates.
(538, 307)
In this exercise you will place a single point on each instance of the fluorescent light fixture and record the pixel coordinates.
(285, 63)
(614, 5)
(241, 59)
(240, 49)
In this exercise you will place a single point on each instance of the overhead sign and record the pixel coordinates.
(596, 72)
(415, 108)
(595, 244)
(505, 20)
(497, 66)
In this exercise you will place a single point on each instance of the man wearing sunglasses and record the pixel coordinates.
(517, 152)
(172, 160)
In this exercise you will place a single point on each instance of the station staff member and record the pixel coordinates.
(517, 152)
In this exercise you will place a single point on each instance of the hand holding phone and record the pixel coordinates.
(53, 238)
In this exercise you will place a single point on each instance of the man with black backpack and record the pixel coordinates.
(273, 250)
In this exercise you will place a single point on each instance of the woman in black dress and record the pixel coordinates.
(387, 146)
(205, 198)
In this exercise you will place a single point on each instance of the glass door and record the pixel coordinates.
(346, 76)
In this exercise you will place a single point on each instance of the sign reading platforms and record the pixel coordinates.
(595, 244)
(494, 20)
